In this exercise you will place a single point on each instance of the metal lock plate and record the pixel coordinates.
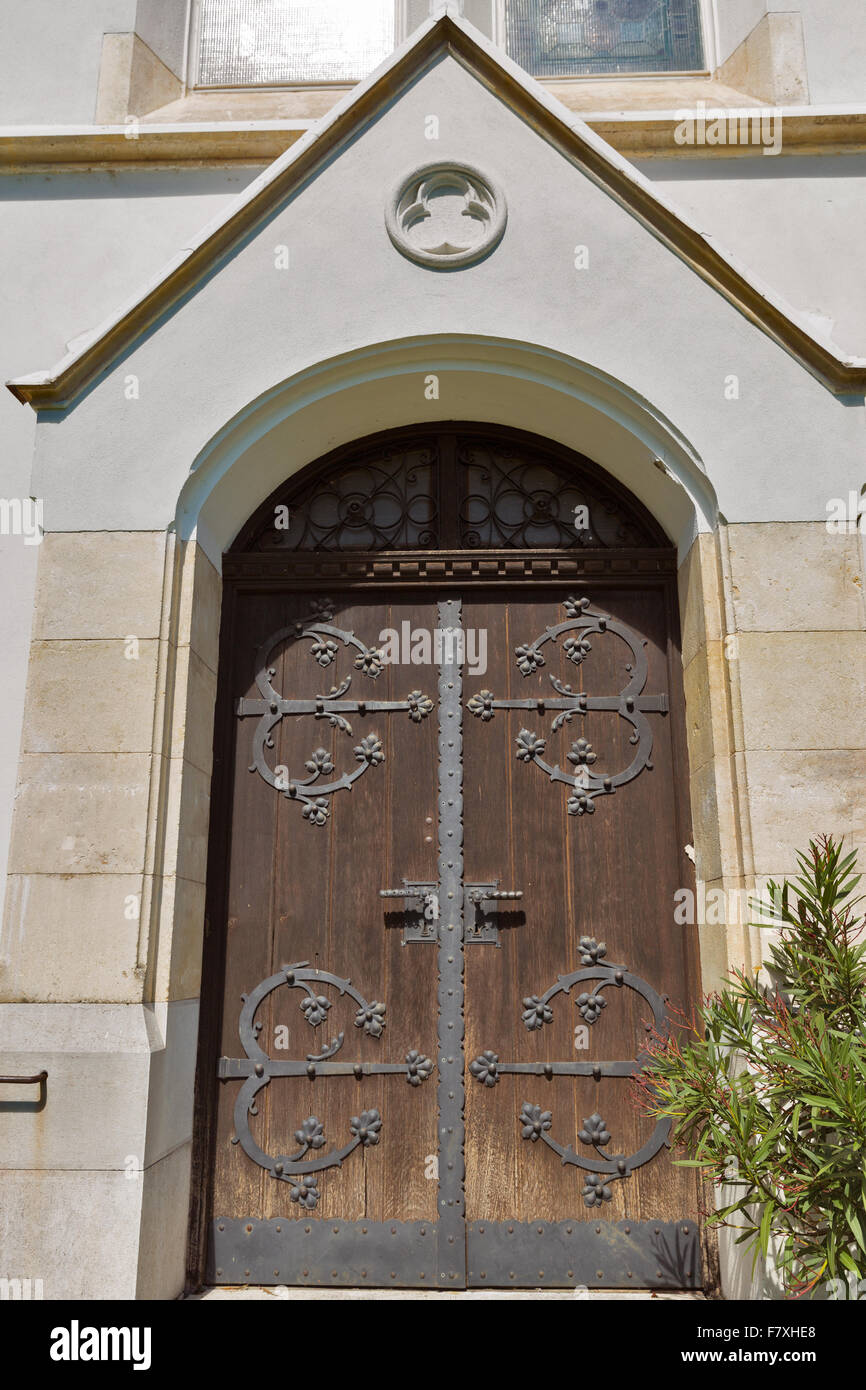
(487, 913)
(418, 915)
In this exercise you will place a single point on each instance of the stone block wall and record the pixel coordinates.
(101, 956)
(774, 655)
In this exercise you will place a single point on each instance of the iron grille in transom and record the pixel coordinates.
(454, 488)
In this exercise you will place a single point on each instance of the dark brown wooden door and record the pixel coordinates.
(565, 1182)
(359, 1138)
(308, 858)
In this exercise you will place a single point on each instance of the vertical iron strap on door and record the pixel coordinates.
(451, 1269)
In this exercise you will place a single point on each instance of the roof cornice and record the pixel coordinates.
(447, 32)
(69, 149)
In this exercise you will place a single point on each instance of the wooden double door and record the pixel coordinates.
(445, 907)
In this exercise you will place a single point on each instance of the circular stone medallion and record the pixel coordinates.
(446, 215)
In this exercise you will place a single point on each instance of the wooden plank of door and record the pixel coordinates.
(491, 973)
(238, 1188)
(404, 1187)
(545, 947)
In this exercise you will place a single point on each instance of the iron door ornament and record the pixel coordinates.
(535, 1123)
(314, 791)
(258, 1070)
(582, 621)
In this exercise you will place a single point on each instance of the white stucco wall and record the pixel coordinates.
(834, 32)
(796, 222)
(734, 21)
(50, 51)
(835, 37)
(163, 25)
(72, 247)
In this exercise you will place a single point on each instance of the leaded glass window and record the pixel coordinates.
(571, 38)
(249, 43)
(256, 42)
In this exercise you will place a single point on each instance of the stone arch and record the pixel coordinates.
(512, 385)
(500, 381)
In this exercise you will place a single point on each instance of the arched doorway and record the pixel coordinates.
(449, 821)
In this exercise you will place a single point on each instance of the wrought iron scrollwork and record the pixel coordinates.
(313, 791)
(630, 703)
(536, 1124)
(515, 497)
(385, 499)
(469, 488)
(258, 1070)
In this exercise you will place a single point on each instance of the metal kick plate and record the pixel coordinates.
(319, 1253)
(324, 1253)
(593, 1254)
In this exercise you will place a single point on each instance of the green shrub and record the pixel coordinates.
(767, 1086)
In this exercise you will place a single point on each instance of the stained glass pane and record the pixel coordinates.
(250, 42)
(569, 38)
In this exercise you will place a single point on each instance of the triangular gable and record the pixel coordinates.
(447, 32)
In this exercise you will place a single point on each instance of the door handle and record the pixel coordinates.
(484, 894)
(428, 896)
(481, 924)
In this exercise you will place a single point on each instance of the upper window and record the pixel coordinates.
(253, 43)
(570, 38)
(245, 43)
